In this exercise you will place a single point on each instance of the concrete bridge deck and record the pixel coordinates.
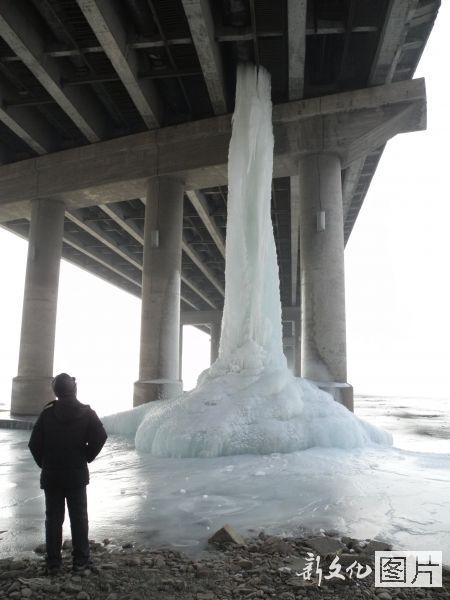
(99, 99)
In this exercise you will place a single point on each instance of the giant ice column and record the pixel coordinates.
(251, 325)
(247, 402)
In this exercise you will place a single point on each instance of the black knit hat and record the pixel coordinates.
(64, 385)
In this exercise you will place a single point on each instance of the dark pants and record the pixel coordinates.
(54, 518)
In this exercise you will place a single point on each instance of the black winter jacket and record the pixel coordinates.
(66, 436)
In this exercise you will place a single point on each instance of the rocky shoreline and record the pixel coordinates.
(262, 567)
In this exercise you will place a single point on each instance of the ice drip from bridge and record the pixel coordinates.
(248, 402)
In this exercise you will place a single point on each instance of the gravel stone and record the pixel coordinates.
(384, 596)
(264, 567)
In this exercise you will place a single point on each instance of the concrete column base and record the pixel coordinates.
(30, 394)
(157, 389)
(341, 392)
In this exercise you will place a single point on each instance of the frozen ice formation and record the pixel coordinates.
(248, 402)
(236, 413)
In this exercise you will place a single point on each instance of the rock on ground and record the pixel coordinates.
(263, 567)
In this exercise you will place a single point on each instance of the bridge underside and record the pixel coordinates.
(100, 100)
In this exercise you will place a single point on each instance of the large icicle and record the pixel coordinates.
(248, 402)
(251, 326)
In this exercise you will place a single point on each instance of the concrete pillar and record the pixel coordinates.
(180, 366)
(31, 389)
(289, 354)
(159, 370)
(297, 348)
(216, 329)
(323, 337)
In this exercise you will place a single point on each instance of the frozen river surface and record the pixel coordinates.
(400, 494)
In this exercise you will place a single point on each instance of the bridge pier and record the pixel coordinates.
(31, 389)
(180, 352)
(159, 370)
(297, 347)
(323, 336)
(289, 353)
(216, 329)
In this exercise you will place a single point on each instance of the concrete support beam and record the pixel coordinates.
(322, 274)
(159, 370)
(135, 43)
(297, 47)
(297, 52)
(288, 351)
(396, 24)
(246, 34)
(350, 125)
(198, 262)
(30, 48)
(298, 347)
(72, 241)
(102, 237)
(188, 302)
(215, 331)
(206, 317)
(201, 24)
(108, 28)
(390, 47)
(22, 125)
(295, 231)
(350, 183)
(116, 215)
(25, 122)
(31, 389)
(200, 204)
(288, 342)
(201, 317)
(198, 291)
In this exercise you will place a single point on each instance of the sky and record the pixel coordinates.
(397, 281)
(398, 256)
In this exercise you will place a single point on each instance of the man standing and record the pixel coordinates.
(66, 436)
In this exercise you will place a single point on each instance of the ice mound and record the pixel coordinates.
(245, 414)
(248, 402)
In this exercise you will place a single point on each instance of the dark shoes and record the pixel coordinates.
(53, 570)
(88, 565)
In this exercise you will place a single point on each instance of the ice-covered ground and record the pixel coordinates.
(397, 494)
